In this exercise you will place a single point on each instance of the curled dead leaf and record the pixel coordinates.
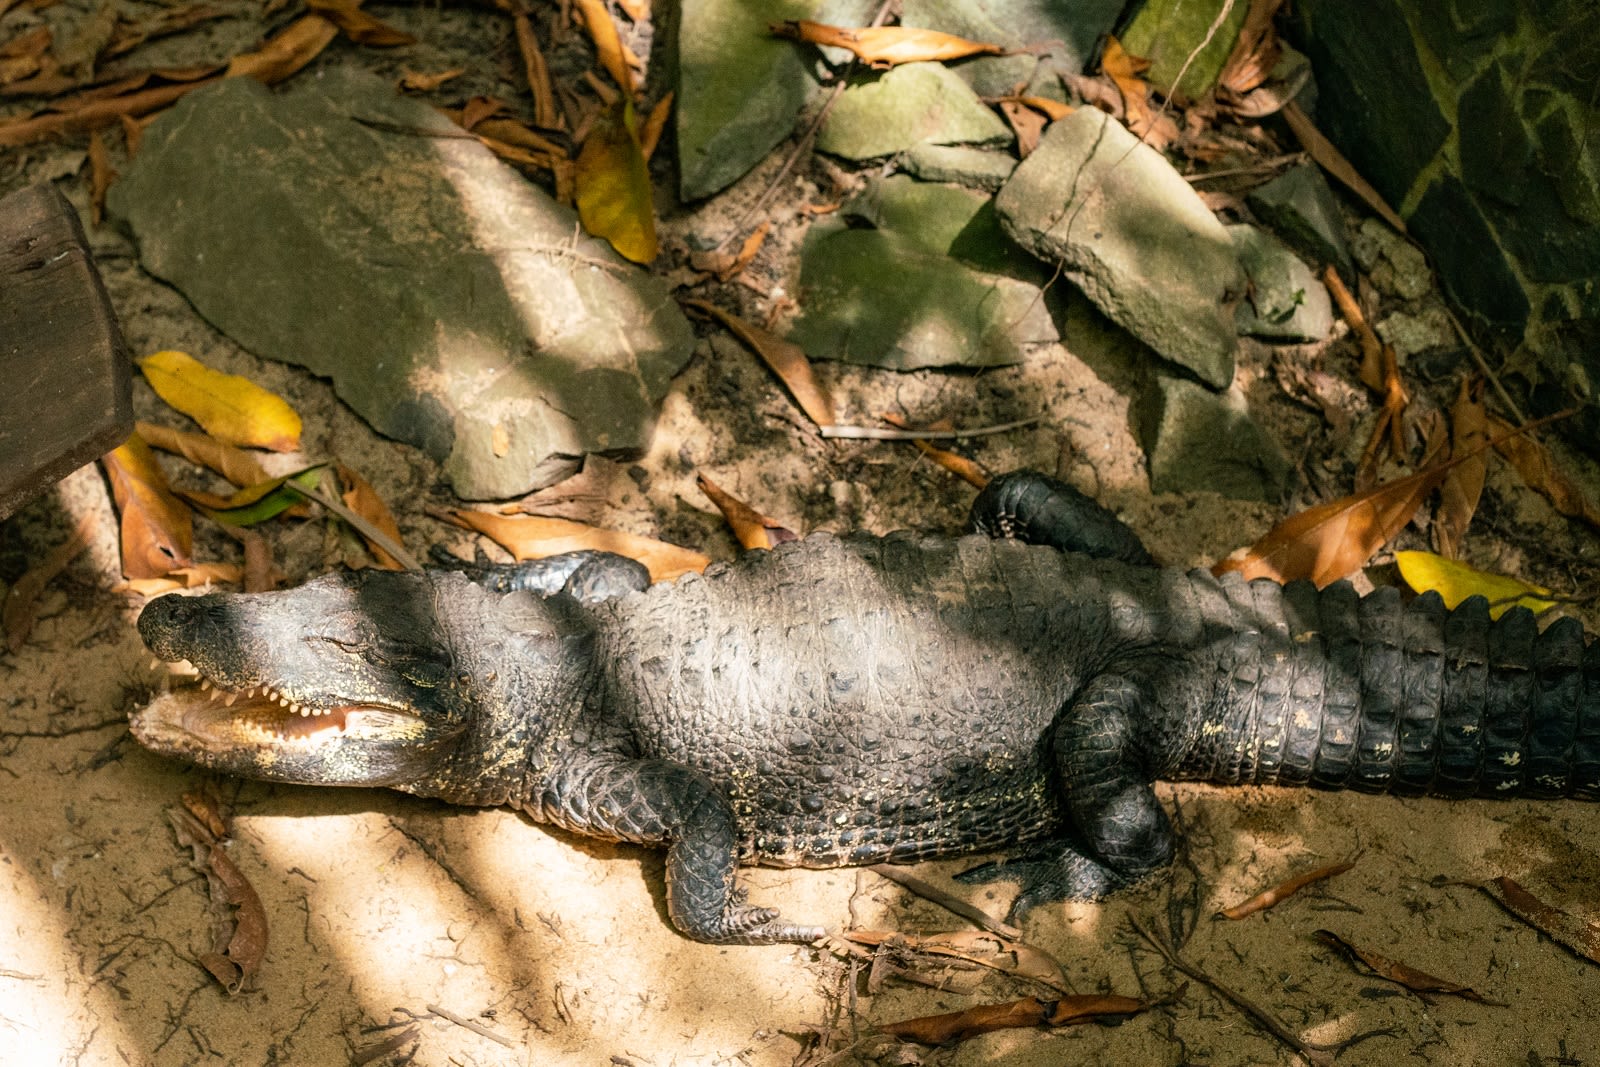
(234, 464)
(1566, 929)
(239, 922)
(784, 358)
(1400, 973)
(953, 1027)
(885, 46)
(361, 498)
(607, 45)
(157, 531)
(1284, 889)
(753, 529)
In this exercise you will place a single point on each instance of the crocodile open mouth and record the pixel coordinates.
(207, 714)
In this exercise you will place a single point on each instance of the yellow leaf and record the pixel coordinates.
(614, 197)
(234, 410)
(1456, 582)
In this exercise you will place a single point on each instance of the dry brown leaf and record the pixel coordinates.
(650, 133)
(1026, 123)
(200, 575)
(885, 46)
(361, 498)
(358, 25)
(1332, 540)
(476, 109)
(239, 922)
(415, 82)
(1538, 469)
(1146, 122)
(1403, 974)
(234, 464)
(1458, 496)
(513, 131)
(534, 537)
(1331, 160)
(1568, 930)
(101, 175)
(157, 530)
(958, 1026)
(17, 616)
(607, 45)
(537, 72)
(299, 43)
(729, 265)
(1255, 52)
(753, 529)
(785, 359)
(1284, 889)
(1051, 109)
(969, 471)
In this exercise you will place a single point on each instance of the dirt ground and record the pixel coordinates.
(509, 943)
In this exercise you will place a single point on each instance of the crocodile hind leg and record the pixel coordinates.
(1119, 832)
(1031, 507)
(656, 802)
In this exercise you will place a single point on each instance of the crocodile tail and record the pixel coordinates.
(1376, 695)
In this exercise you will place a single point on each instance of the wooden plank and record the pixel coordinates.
(64, 389)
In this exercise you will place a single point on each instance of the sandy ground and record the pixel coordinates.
(385, 909)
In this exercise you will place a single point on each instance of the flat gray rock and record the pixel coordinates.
(1286, 301)
(882, 114)
(1300, 208)
(740, 89)
(972, 167)
(443, 294)
(1201, 441)
(1131, 233)
(879, 298)
(945, 220)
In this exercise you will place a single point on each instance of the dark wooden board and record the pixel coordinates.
(63, 368)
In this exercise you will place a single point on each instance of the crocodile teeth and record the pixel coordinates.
(230, 698)
(205, 685)
(155, 664)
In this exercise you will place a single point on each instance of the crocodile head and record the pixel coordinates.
(363, 678)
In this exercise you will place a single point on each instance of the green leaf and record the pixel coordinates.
(258, 503)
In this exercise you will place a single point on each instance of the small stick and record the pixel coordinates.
(878, 433)
(367, 529)
(471, 1024)
(950, 903)
(1320, 1055)
(1483, 366)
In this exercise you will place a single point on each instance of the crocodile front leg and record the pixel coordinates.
(656, 802)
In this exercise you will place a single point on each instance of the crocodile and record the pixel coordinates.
(844, 700)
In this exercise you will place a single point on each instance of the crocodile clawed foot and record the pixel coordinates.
(758, 926)
(1048, 875)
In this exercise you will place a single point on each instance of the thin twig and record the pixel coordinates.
(365, 528)
(878, 433)
(1320, 1055)
(471, 1024)
(1483, 366)
(927, 891)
